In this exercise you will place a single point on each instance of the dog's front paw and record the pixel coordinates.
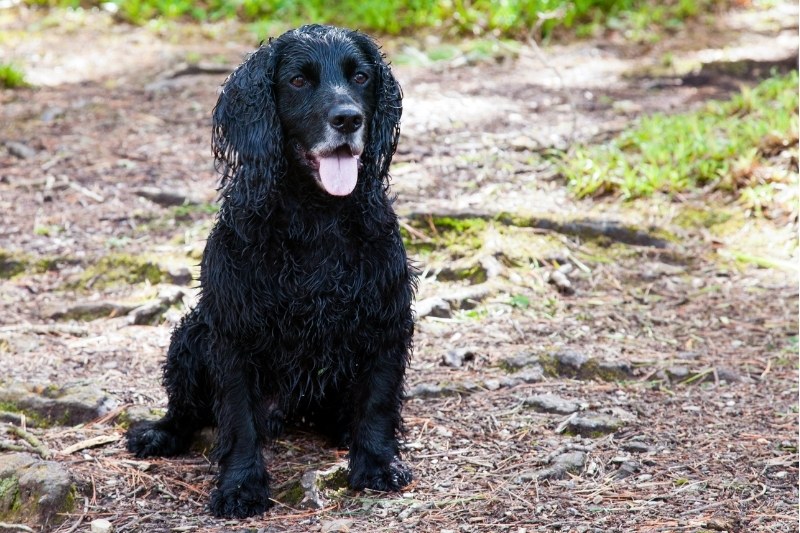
(151, 438)
(241, 494)
(386, 478)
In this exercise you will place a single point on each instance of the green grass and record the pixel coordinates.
(726, 145)
(511, 18)
(11, 76)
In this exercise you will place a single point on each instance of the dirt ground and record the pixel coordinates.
(705, 408)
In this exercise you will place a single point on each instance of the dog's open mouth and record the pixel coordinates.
(338, 171)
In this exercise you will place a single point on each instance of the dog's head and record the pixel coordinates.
(317, 103)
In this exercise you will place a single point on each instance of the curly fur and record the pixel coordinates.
(305, 305)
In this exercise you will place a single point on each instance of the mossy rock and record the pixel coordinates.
(48, 405)
(315, 488)
(574, 365)
(34, 492)
(12, 264)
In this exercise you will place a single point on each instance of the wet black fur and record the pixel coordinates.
(305, 306)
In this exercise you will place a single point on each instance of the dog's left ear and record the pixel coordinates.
(384, 129)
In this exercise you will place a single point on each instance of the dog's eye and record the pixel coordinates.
(298, 81)
(360, 78)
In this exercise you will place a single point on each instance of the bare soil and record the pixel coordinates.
(708, 405)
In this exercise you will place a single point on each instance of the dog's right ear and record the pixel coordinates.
(247, 139)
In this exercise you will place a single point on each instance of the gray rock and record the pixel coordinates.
(435, 307)
(341, 525)
(678, 372)
(728, 374)
(627, 469)
(562, 464)
(20, 150)
(550, 403)
(101, 525)
(147, 313)
(576, 365)
(636, 446)
(67, 405)
(456, 357)
(571, 359)
(519, 361)
(180, 275)
(34, 492)
(427, 390)
(593, 425)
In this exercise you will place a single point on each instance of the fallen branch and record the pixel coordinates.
(31, 439)
(585, 227)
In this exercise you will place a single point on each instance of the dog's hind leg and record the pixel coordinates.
(186, 379)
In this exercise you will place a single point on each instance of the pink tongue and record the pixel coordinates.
(338, 174)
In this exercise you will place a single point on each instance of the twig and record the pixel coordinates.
(90, 443)
(86, 192)
(18, 527)
(31, 439)
(415, 232)
(11, 447)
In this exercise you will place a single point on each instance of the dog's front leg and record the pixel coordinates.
(374, 455)
(243, 482)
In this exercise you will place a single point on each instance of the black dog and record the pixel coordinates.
(306, 291)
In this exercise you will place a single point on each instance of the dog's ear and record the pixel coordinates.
(384, 129)
(247, 139)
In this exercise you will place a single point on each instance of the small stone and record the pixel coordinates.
(314, 485)
(435, 307)
(491, 384)
(678, 372)
(101, 525)
(559, 467)
(426, 390)
(550, 403)
(728, 374)
(635, 446)
(180, 275)
(341, 525)
(519, 361)
(572, 359)
(593, 425)
(147, 313)
(20, 150)
(627, 469)
(455, 358)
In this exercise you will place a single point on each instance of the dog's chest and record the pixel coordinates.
(330, 280)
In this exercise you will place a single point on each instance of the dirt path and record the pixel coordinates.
(672, 372)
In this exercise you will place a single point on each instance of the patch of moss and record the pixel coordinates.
(118, 269)
(10, 501)
(691, 217)
(590, 369)
(12, 264)
(474, 274)
(33, 418)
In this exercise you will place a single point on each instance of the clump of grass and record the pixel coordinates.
(511, 18)
(723, 146)
(11, 76)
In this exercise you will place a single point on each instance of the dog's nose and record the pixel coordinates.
(345, 118)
